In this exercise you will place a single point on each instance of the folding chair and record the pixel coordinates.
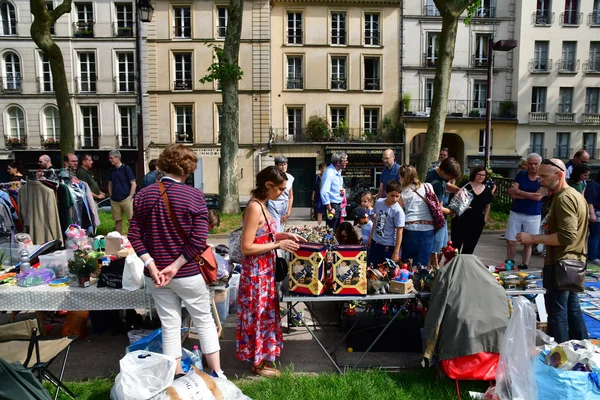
(19, 340)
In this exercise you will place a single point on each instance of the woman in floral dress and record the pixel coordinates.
(258, 335)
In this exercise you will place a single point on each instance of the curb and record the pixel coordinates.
(219, 236)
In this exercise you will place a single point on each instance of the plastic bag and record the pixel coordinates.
(35, 277)
(153, 342)
(197, 385)
(515, 378)
(133, 273)
(556, 384)
(568, 355)
(461, 201)
(143, 375)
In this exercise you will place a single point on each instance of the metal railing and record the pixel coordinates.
(295, 83)
(336, 135)
(123, 29)
(11, 85)
(592, 66)
(182, 84)
(542, 18)
(87, 86)
(540, 66)
(429, 60)
(567, 66)
(592, 151)
(83, 29)
(463, 108)
(562, 152)
(502, 186)
(372, 84)
(590, 118)
(431, 11)
(338, 84)
(538, 117)
(182, 31)
(184, 137)
(478, 61)
(539, 150)
(563, 117)
(485, 12)
(594, 18)
(89, 141)
(571, 18)
(221, 31)
(14, 142)
(44, 86)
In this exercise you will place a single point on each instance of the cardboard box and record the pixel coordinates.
(349, 270)
(113, 245)
(307, 270)
(401, 287)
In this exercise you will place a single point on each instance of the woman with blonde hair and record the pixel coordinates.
(418, 229)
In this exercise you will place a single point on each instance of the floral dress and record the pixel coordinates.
(258, 334)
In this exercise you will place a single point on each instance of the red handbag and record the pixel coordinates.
(206, 261)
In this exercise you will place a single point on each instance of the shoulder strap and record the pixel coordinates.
(178, 227)
(266, 219)
(419, 194)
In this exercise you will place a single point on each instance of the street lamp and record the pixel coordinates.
(143, 13)
(501, 45)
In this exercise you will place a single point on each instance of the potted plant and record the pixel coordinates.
(82, 265)
(341, 133)
(16, 143)
(51, 143)
(317, 129)
(507, 109)
(474, 113)
(406, 103)
(125, 31)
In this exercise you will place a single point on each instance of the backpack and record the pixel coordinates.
(439, 220)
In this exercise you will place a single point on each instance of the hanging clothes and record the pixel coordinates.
(64, 203)
(91, 203)
(38, 206)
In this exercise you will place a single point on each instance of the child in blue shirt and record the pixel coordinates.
(361, 216)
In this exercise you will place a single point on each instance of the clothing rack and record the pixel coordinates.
(49, 173)
(12, 185)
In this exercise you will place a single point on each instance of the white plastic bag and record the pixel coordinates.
(133, 273)
(515, 377)
(461, 201)
(143, 375)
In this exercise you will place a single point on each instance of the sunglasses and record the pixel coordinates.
(550, 162)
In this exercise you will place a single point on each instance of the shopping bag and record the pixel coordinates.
(143, 375)
(133, 273)
(557, 384)
(461, 201)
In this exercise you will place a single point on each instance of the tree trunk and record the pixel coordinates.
(229, 136)
(40, 33)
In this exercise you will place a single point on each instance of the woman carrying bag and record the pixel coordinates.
(467, 228)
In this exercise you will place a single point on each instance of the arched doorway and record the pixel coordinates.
(454, 143)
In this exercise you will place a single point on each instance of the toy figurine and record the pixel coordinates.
(449, 252)
(377, 281)
(403, 274)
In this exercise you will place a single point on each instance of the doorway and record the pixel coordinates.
(303, 170)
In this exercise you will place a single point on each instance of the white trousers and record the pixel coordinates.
(196, 298)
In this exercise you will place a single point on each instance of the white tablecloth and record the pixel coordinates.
(71, 298)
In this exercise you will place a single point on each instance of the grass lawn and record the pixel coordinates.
(371, 384)
(496, 220)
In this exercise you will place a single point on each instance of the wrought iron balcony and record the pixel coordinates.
(540, 66)
(571, 18)
(89, 142)
(542, 18)
(123, 29)
(538, 117)
(562, 152)
(184, 137)
(590, 118)
(567, 66)
(182, 84)
(336, 135)
(479, 61)
(15, 142)
(372, 84)
(83, 29)
(11, 85)
(485, 12)
(539, 149)
(564, 117)
(592, 66)
(338, 84)
(594, 18)
(431, 11)
(593, 151)
(462, 108)
(221, 31)
(182, 32)
(295, 83)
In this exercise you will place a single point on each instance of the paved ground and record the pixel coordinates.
(98, 355)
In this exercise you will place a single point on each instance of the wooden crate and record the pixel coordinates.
(401, 287)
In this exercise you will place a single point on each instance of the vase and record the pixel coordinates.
(83, 280)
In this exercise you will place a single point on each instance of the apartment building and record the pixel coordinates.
(557, 82)
(335, 87)
(464, 132)
(98, 46)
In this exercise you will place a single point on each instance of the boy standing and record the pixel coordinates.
(361, 216)
(386, 234)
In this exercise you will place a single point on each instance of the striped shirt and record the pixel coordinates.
(152, 230)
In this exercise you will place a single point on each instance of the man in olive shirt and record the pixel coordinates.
(566, 239)
(84, 173)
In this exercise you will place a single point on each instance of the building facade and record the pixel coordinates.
(557, 82)
(464, 132)
(98, 46)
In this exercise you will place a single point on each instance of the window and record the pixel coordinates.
(8, 18)
(46, 81)
(428, 94)
(184, 132)
(294, 121)
(371, 121)
(432, 48)
(126, 72)
(85, 20)
(219, 121)
(12, 73)
(294, 72)
(482, 140)
(431, 9)
(50, 7)
(486, 10)
(372, 74)
(543, 12)
(294, 28)
(480, 58)
(183, 71)
(567, 64)
(90, 135)
(479, 95)
(571, 14)
(589, 143)
(338, 27)
(372, 31)
(338, 114)
(595, 16)
(87, 72)
(124, 26)
(222, 18)
(536, 143)
(128, 128)
(182, 22)
(16, 123)
(51, 123)
(565, 100)
(540, 56)
(563, 140)
(594, 61)
(538, 99)
(338, 73)
(591, 100)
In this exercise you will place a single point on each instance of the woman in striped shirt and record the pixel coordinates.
(172, 274)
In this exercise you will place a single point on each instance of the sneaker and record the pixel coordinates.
(522, 266)
(216, 374)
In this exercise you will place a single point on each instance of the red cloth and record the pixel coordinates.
(475, 367)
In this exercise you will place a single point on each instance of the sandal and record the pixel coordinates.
(265, 370)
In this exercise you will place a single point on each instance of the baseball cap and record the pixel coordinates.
(359, 212)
